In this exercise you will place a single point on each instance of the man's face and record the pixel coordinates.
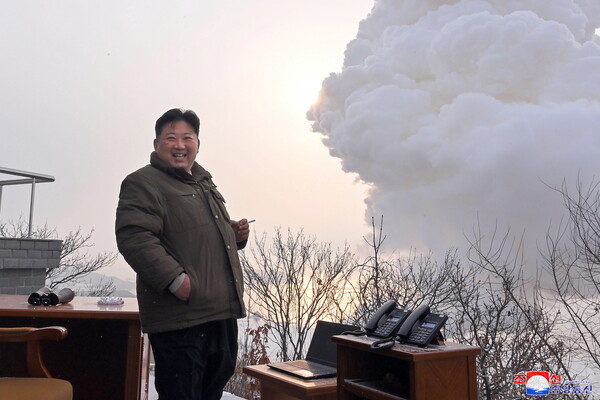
(177, 145)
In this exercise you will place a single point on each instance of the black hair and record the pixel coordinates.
(175, 115)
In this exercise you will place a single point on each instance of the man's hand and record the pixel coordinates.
(183, 293)
(241, 229)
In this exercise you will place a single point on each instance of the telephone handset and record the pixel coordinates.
(384, 310)
(419, 313)
(384, 324)
(386, 321)
(421, 327)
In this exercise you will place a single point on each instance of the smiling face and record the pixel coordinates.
(177, 145)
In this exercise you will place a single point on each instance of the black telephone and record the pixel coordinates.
(419, 327)
(428, 329)
(386, 321)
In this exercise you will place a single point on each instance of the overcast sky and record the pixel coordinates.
(433, 113)
(83, 82)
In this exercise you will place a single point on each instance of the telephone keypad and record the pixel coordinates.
(427, 331)
(420, 334)
(387, 328)
(391, 324)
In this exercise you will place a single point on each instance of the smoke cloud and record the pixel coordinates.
(467, 110)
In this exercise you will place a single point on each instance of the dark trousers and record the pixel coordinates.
(195, 363)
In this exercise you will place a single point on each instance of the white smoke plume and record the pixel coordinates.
(457, 110)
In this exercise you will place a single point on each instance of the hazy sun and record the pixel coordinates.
(307, 91)
(300, 90)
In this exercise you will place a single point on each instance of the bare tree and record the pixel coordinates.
(19, 229)
(294, 282)
(105, 287)
(572, 259)
(409, 281)
(75, 261)
(513, 337)
(253, 350)
(487, 300)
(520, 324)
(517, 312)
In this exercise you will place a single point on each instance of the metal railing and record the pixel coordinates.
(27, 178)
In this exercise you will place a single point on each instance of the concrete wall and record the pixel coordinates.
(23, 263)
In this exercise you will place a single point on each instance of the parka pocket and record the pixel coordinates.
(207, 291)
(195, 289)
(185, 212)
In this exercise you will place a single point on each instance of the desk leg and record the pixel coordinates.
(135, 368)
(145, 370)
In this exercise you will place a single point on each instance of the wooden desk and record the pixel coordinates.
(276, 385)
(405, 372)
(105, 356)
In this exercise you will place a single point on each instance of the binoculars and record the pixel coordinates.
(46, 297)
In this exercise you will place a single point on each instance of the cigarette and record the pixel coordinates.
(251, 221)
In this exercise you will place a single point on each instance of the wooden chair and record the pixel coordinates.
(40, 383)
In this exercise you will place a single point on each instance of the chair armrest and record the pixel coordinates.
(27, 334)
(33, 337)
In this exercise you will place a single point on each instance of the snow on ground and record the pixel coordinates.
(152, 395)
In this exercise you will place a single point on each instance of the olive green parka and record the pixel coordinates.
(168, 222)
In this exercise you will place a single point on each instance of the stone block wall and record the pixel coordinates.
(23, 263)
